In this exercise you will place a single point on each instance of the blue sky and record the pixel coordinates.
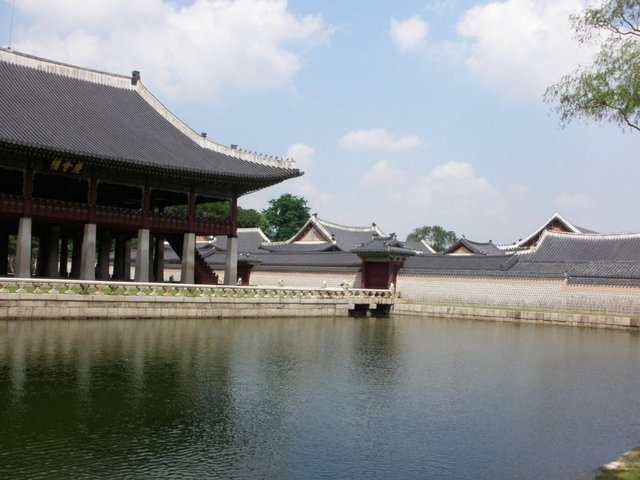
(403, 113)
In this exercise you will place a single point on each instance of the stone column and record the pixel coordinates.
(103, 257)
(231, 264)
(142, 256)
(188, 258)
(53, 241)
(88, 253)
(23, 249)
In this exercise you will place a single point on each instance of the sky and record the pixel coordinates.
(404, 113)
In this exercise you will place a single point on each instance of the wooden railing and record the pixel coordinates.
(108, 216)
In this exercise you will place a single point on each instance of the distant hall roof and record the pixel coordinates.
(342, 237)
(111, 120)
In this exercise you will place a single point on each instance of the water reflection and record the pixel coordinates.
(313, 398)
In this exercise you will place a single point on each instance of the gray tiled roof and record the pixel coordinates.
(110, 125)
(442, 264)
(419, 247)
(300, 247)
(478, 248)
(249, 240)
(556, 221)
(383, 246)
(568, 247)
(344, 237)
(589, 256)
(300, 262)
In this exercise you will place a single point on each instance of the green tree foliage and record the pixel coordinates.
(608, 90)
(436, 236)
(286, 214)
(215, 210)
(250, 218)
(247, 218)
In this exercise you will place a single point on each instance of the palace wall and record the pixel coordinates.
(545, 300)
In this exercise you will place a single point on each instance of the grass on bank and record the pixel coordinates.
(626, 467)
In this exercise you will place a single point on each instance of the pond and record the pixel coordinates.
(398, 398)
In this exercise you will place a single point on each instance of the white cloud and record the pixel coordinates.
(302, 154)
(409, 34)
(382, 173)
(379, 138)
(191, 51)
(522, 46)
(455, 184)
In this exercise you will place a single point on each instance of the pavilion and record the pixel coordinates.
(90, 161)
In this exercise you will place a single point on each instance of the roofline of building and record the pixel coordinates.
(589, 236)
(555, 216)
(126, 83)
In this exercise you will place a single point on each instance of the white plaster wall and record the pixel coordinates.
(517, 293)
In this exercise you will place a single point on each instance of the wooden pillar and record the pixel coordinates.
(28, 192)
(363, 279)
(191, 210)
(146, 205)
(93, 197)
(234, 216)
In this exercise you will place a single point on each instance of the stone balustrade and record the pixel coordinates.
(75, 299)
(81, 287)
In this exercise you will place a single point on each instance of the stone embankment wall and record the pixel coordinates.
(521, 300)
(78, 300)
(27, 306)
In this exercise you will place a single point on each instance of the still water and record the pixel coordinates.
(401, 398)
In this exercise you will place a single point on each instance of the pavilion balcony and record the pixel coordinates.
(58, 211)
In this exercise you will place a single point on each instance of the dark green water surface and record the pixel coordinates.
(400, 398)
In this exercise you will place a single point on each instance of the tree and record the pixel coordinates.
(247, 218)
(286, 214)
(250, 218)
(436, 236)
(608, 90)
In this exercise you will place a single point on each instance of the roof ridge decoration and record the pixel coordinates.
(373, 227)
(125, 82)
(592, 235)
(66, 69)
